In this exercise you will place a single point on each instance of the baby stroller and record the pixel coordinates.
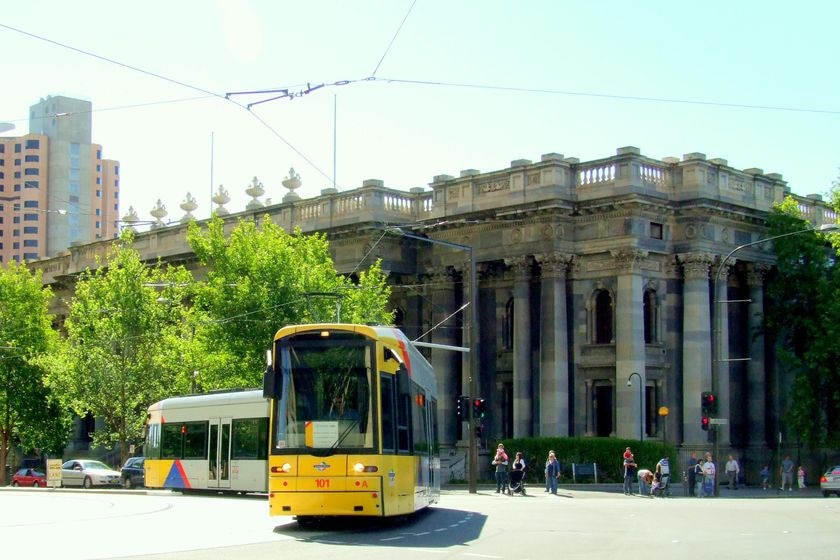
(661, 485)
(516, 482)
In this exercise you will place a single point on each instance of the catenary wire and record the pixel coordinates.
(394, 38)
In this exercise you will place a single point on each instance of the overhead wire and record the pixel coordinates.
(394, 38)
(170, 80)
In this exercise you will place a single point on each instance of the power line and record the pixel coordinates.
(611, 96)
(394, 38)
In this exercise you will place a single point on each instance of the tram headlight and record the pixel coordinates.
(360, 468)
(287, 467)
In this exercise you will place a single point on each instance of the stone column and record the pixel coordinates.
(445, 362)
(554, 351)
(697, 345)
(522, 383)
(629, 343)
(587, 402)
(756, 378)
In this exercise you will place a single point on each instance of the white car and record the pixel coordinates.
(88, 473)
(830, 481)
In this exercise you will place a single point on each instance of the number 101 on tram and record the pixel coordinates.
(353, 425)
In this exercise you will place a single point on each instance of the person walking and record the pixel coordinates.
(787, 474)
(552, 473)
(629, 472)
(800, 477)
(732, 471)
(765, 477)
(500, 461)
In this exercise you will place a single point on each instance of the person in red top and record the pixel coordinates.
(500, 461)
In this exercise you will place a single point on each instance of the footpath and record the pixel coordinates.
(677, 491)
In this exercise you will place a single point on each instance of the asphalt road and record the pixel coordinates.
(584, 522)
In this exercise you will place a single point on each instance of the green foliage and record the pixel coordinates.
(261, 278)
(606, 452)
(26, 334)
(126, 343)
(804, 318)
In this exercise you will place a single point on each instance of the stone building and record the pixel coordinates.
(595, 300)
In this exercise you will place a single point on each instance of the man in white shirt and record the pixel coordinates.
(732, 471)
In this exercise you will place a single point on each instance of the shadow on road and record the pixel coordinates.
(431, 528)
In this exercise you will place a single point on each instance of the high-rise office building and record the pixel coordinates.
(55, 188)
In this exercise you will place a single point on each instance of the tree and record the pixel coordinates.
(804, 317)
(26, 405)
(260, 278)
(127, 329)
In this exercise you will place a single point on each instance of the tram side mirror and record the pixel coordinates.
(271, 388)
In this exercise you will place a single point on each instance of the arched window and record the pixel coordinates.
(651, 311)
(603, 317)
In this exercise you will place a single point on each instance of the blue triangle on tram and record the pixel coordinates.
(175, 478)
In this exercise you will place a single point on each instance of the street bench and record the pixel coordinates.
(584, 469)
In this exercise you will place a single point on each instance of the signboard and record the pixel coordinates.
(718, 421)
(54, 473)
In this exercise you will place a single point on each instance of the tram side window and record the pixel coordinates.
(184, 440)
(250, 438)
(420, 419)
(387, 414)
(170, 441)
(195, 440)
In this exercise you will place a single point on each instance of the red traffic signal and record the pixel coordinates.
(704, 423)
(708, 403)
(479, 408)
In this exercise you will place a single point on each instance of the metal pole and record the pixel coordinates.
(473, 373)
(641, 403)
(471, 326)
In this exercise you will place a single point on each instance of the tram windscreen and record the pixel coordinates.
(325, 403)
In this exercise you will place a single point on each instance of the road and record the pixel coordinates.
(78, 524)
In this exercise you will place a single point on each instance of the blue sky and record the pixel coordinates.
(581, 78)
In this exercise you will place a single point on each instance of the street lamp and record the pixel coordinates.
(717, 347)
(471, 326)
(716, 342)
(641, 403)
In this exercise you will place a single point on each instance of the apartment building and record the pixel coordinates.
(56, 190)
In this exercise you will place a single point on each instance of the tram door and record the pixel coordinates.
(218, 463)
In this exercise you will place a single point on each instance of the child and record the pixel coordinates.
(800, 477)
(765, 477)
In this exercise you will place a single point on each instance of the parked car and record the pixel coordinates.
(29, 477)
(88, 473)
(830, 481)
(132, 472)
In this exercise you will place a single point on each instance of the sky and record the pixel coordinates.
(418, 88)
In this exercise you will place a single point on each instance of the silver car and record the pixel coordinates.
(88, 473)
(830, 481)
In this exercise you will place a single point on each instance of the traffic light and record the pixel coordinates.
(479, 408)
(708, 403)
(708, 406)
(463, 408)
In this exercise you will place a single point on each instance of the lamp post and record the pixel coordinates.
(471, 326)
(641, 403)
(717, 346)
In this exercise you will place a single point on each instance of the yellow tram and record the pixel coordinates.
(353, 423)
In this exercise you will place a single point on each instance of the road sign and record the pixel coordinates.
(54, 473)
(718, 421)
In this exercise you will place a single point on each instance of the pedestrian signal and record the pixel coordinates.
(479, 408)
